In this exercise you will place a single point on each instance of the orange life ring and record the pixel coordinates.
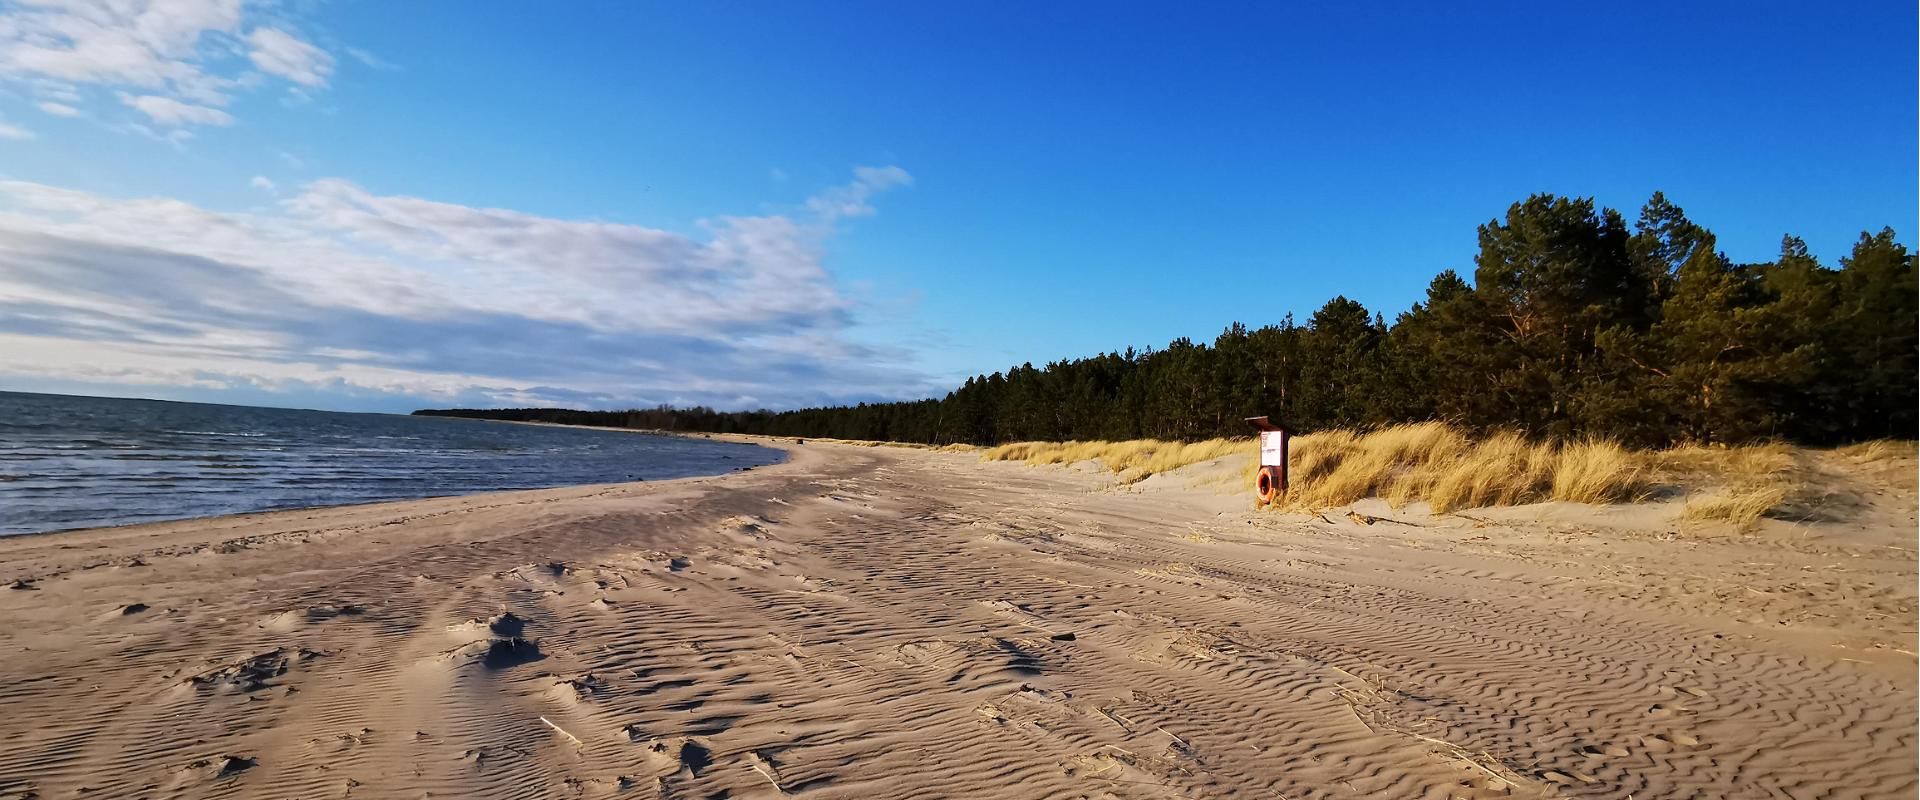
(1267, 483)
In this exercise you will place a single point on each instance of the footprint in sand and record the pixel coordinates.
(1671, 741)
(1602, 751)
(255, 673)
(321, 612)
(686, 755)
(752, 527)
(341, 742)
(289, 620)
(506, 624)
(511, 652)
(1568, 778)
(127, 610)
(222, 767)
(503, 644)
(583, 687)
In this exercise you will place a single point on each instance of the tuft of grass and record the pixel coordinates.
(1133, 461)
(1743, 506)
(1737, 485)
(1595, 471)
(1339, 467)
(1878, 450)
(1756, 462)
(1504, 469)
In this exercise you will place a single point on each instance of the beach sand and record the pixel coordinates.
(883, 622)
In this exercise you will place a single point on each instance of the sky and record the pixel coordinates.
(364, 205)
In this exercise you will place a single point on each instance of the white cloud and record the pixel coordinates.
(261, 182)
(186, 52)
(148, 44)
(277, 52)
(15, 132)
(339, 286)
(58, 109)
(177, 137)
(168, 111)
(372, 60)
(851, 200)
(56, 91)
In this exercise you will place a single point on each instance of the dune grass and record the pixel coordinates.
(1878, 450)
(1437, 463)
(1451, 471)
(938, 448)
(1742, 505)
(1735, 485)
(1426, 461)
(1134, 460)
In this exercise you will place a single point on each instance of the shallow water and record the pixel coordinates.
(81, 462)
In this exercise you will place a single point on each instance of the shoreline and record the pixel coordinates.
(769, 444)
(808, 627)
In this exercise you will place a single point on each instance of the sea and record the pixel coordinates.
(82, 462)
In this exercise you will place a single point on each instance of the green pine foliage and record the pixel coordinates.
(1573, 325)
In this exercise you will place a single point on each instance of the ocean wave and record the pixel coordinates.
(248, 434)
(87, 444)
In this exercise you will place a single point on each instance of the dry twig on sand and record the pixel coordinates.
(563, 732)
(763, 773)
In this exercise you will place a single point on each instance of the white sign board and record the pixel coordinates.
(1272, 451)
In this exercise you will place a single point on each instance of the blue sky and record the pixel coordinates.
(385, 205)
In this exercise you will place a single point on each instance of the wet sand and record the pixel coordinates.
(881, 622)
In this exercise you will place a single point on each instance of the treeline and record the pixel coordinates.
(1574, 324)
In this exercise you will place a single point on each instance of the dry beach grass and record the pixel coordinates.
(1450, 470)
(1133, 460)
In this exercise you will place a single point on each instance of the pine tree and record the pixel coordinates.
(1552, 276)
(1724, 349)
(1875, 345)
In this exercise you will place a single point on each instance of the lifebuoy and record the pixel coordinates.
(1267, 483)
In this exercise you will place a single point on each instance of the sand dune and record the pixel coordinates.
(879, 622)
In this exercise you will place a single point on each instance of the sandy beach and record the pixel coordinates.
(892, 623)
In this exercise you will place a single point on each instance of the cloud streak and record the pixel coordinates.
(339, 289)
(280, 53)
(168, 111)
(176, 61)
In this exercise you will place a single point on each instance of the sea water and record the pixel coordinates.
(81, 462)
